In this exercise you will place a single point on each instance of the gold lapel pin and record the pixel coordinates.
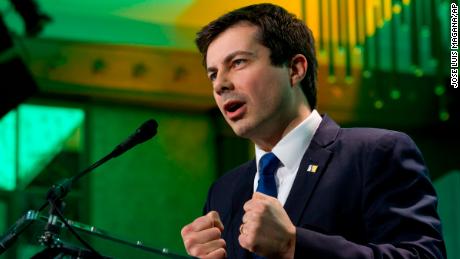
(312, 168)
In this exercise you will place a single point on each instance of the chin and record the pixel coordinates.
(241, 130)
(237, 130)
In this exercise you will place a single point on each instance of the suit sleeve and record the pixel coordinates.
(398, 209)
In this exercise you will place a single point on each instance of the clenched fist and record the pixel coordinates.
(267, 229)
(202, 238)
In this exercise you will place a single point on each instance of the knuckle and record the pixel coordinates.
(247, 205)
(195, 251)
(193, 239)
(221, 252)
(188, 245)
(184, 230)
(192, 252)
(198, 220)
(251, 239)
(222, 243)
(215, 232)
(213, 216)
(242, 241)
(190, 242)
(199, 250)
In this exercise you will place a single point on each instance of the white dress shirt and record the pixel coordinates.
(290, 150)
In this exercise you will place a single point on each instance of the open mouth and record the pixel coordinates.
(234, 106)
(234, 109)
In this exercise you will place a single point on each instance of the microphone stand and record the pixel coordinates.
(54, 245)
(55, 193)
(54, 197)
(60, 190)
(50, 238)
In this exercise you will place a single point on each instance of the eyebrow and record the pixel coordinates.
(230, 56)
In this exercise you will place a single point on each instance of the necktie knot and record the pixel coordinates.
(268, 165)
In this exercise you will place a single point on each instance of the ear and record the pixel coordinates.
(298, 68)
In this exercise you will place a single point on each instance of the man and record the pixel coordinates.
(315, 190)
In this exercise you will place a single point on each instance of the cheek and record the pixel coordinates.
(270, 87)
(254, 83)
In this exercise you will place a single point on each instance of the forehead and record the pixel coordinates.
(239, 37)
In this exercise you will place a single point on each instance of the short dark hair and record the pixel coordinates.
(280, 31)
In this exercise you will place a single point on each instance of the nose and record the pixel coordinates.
(222, 84)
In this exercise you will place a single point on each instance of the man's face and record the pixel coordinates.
(253, 95)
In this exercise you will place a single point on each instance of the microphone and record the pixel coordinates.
(58, 191)
(145, 132)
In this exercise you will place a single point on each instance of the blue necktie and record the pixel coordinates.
(268, 164)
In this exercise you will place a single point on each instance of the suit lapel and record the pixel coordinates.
(311, 169)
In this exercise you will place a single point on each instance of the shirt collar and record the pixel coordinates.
(291, 148)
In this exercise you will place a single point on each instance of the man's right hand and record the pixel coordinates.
(202, 238)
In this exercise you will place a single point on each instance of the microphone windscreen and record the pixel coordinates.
(146, 131)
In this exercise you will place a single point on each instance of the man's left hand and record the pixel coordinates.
(267, 229)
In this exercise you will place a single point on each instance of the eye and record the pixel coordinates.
(212, 76)
(238, 62)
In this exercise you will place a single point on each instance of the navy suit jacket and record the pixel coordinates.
(370, 197)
